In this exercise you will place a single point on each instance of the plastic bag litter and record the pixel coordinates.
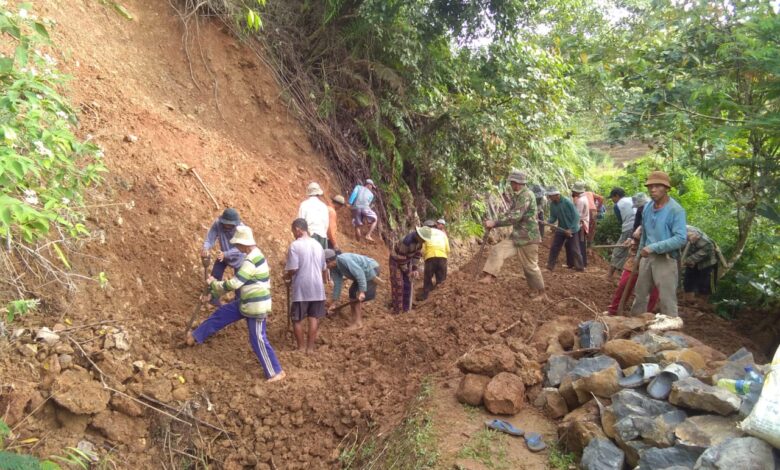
(764, 420)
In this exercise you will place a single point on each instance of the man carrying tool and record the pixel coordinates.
(541, 205)
(524, 240)
(435, 253)
(663, 234)
(562, 210)
(624, 211)
(333, 220)
(701, 267)
(315, 213)
(581, 203)
(223, 229)
(360, 200)
(252, 283)
(305, 268)
(404, 257)
(363, 271)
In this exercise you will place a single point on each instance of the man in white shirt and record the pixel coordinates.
(315, 212)
(581, 203)
(625, 213)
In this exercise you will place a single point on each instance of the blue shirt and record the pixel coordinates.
(664, 230)
(233, 257)
(358, 268)
(361, 197)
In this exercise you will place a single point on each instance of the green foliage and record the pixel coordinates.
(559, 459)
(19, 307)
(487, 447)
(44, 167)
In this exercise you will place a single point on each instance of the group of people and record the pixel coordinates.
(313, 261)
(654, 235)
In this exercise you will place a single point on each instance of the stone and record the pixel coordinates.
(621, 327)
(632, 402)
(628, 353)
(567, 392)
(120, 428)
(181, 393)
(116, 369)
(28, 349)
(472, 389)
(46, 336)
(504, 395)
(695, 394)
(579, 427)
(79, 393)
(602, 454)
(665, 459)
(126, 406)
(552, 403)
(608, 422)
(592, 334)
(633, 449)
(566, 339)
(490, 361)
(655, 343)
(556, 368)
(685, 355)
(603, 383)
(66, 360)
(13, 401)
(700, 432)
(589, 365)
(159, 389)
(74, 424)
(659, 431)
(742, 452)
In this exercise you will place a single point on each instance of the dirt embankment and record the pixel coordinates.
(153, 109)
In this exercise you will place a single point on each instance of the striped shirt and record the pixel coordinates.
(253, 282)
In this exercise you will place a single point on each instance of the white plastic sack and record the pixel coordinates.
(764, 420)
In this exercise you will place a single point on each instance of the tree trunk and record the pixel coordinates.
(744, 226)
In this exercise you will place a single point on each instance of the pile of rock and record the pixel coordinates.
(612, 427)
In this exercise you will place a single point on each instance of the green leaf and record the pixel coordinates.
(61, 255)
(6, 65)
(20, 55)
(41, 30)
(123, 11)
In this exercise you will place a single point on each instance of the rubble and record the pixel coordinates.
(76, 391)
(700, 432)
(489, 361)
(556, 369)
(628, 353)
(695, 394)
(742, 452)
(602, 454)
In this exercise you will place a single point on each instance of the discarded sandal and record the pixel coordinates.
(643, 374)
(503, 426)
(533, 440)
(661, 386)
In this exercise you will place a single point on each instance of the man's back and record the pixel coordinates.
(315, 212)
(308, 258)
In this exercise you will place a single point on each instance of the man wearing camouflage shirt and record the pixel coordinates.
(524, 240)
(700, 263)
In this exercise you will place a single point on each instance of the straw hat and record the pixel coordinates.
(243, 236)
(314, 189)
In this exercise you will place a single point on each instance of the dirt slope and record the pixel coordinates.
(134, 79)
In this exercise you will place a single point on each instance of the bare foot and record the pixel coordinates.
(355, 326)
(369, 238)
(190, 341)
(487, 279)
(277, 377)
(540, 298)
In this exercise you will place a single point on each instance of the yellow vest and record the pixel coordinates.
(438, 246)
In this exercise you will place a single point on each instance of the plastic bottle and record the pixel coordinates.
(740, 387)
(753, 376)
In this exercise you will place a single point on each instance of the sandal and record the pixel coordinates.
(643, 374)
(533, 440)
(661, 386)
(503, 426)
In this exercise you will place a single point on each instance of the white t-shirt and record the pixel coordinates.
(307, 257)
(584, 210)
(627, 212)
(315, 212)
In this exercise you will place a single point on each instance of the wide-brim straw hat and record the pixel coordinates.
(243, 236)
(578, 187)
(658, 177)
(424, 233)
(339, 199)
(314, 190)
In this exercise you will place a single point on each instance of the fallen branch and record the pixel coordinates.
(197, 420)
(213, 199)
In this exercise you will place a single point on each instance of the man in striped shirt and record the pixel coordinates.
(252, 283)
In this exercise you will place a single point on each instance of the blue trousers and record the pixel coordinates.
(230, 313)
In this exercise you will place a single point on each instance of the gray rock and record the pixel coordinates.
(747, 453)
(668, 458)
(695, 394)
(602, 454)
(592, 334)
(634, 403)
(589, 365)
(633, 449)
(659, 431)
(700, 432)
(679, 340)
(655, 343)
(556, 369)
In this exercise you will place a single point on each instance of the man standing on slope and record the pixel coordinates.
(581, 203)
(222, 230)
(625, 213)
(663, 234)
(524, 240)
(404, 257)
(363, 271)
(435, 253)
(305, 268)
(562, 210)
(315, 213)
(360, 200)
(252, 284)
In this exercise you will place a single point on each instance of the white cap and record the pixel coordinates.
(371, 182)
(243, 236)
(314, 190)
(441, 221)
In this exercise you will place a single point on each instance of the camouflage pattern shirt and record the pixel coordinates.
(522, 218)
(701, 252)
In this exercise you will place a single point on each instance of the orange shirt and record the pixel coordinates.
(332, 228)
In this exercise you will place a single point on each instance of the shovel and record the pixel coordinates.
(206, 262)
(481, 253)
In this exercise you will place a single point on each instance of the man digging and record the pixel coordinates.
(252, 284)
(363, 271)
(524, 240)
(222, 230)
(562, 210)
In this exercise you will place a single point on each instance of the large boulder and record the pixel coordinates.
(580, 427)
(602, 454)
(683, 355)
(603, 383)
(629, 402)
(552, 403)
(504, 395)
(657, 431)
(628, 353)
(472, 389)
(667, 459)
(621, 327)
(556, 368)
(700, 432)
(742, 452)
(489, 361)
(76, 391)
(655, 343)
(695, 394)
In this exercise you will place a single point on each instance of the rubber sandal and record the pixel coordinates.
(643, 374)
(661, 386)
(533, 440)
(503, 426)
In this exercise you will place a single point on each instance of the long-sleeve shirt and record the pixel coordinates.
(664, 230)
(361, 197)
(522, 217)
(358, 268)
(332, 225)
(565, 214)
(408, 250)
(625, 208)
(583, 209)
(701, 251)
(253, 281)
(217, 232)
(438, 247)
(315, 212)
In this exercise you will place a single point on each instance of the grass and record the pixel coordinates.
(487, 447)
(558, 458)
(471, 411)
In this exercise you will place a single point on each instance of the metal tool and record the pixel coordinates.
(289, 307)
(206, 262)
(481, 253)
(608, 246)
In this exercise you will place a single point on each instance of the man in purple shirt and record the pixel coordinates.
(663, 234)
(223, 229)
